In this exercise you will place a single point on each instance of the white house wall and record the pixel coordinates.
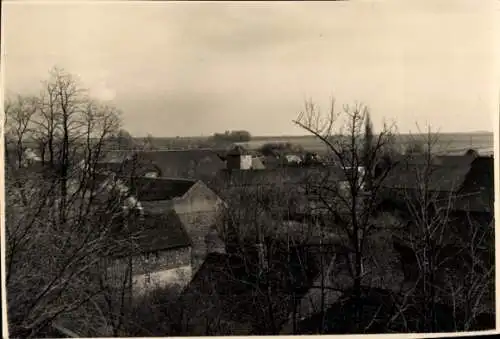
(245, 162)
(144, 283)
(199, 198)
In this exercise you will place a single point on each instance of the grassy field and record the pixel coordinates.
(455, 143)
(449, 143)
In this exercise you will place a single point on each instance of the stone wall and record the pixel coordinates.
(150, 263)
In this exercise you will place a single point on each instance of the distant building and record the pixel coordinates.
(257, 164)
(25, 159)
(201, 164)
(472, 153)
(238, 159)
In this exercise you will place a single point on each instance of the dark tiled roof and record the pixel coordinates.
(270, 161)
(237, 150)
(440, 160)
(478, 190)
(127, 165)
(453, 160)
(194, 163)
(471, 179)
(287, 175)
(154, 232)
(441, 178)
(227, 288)
(378, 309)
(479, 202)
(216, 293)
(156, 189)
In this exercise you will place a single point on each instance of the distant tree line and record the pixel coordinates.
(232, 136)
(280, 148)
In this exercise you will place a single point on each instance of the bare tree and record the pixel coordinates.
(18, 125)
(55, 240)
(449, 252)
(148, 143)
(352, 206)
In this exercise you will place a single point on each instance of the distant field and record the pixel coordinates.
(448, 143)
(456, 143)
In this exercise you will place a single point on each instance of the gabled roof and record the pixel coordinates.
(154, 232)
(257, 164)
(215, 293)
(237, 150)
(226, 288)
(270, 161)
(445, 173)
(192, 163)
(282, 175)
(441, 178)
(477, 193)
(438, 160)
(141, 188)
(157, 189)
(453, 160)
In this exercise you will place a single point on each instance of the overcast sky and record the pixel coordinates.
(198, 68)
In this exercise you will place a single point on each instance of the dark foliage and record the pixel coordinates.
(232, 136)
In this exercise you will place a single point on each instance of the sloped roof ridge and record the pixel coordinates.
(172, 179)
(160, 178)
(176, 150)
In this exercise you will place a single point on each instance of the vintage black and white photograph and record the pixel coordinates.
(223, 168)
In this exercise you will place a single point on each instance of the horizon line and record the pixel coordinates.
(256, 136)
